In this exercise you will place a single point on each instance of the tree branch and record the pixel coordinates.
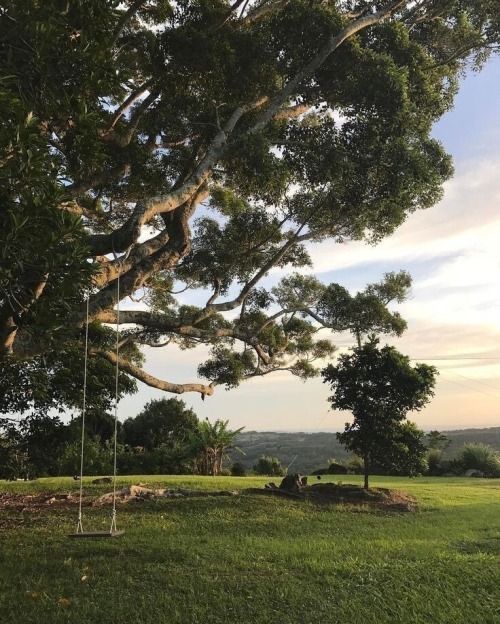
(308, 70)
(150, 380)
(127, 103)
(126, 17)
(15, 306)
(264, 8)
(123, 237)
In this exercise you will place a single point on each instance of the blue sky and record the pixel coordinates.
(453, 254)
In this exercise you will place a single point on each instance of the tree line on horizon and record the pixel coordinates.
(168, 438)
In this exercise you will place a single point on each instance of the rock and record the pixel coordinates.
(140, 493)
(58, 497)
(128, 493)
(472, 472)
(293, 483)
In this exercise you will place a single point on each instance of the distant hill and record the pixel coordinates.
(309, 451)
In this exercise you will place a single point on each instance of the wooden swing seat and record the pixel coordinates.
(97, 534)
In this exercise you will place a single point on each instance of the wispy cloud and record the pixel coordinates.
(467, 218)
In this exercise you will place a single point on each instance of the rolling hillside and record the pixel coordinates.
(309, 451)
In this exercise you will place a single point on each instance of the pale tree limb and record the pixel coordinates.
(126, 138)
(292, 112)
(127, 103)
(73, 207)
(225, 306)
(163, 325)
(126, 17)
(82, 186)
(14, 307)
(264, 8)
(109, 270)
(150, 380)
(122, 238)
(165, 258)
(309, 69)
(127, 234)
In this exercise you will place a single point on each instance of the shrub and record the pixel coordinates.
(355, 465)
(269, 466)
(482, 457)
(434, 461)
(238, 470)
(320, 471)
(98, 459)
(336, 468)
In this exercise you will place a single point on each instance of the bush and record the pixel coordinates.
(238, 470)
(269, 466)
(355, 465)
(320, 471)
(435, 465)
(97, 459)
(336, 468)
(476, 456)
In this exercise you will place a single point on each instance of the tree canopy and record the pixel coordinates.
(161, 422)
(199, 144)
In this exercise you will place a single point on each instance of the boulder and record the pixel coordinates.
(293, 483)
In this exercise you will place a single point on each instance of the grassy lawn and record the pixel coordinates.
(257, 560)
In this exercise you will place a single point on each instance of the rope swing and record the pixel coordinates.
(113, 531)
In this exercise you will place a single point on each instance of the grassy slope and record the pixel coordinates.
(258, 560)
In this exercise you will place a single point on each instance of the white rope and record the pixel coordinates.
(117, 371)
(79, 527)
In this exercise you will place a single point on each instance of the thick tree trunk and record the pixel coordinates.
(367, 471)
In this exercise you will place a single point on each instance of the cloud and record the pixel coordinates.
(466, 216)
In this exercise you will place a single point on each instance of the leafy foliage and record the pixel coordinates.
(211, 443)
(269, 466)
(162, 422)
(379, 387)
(120, 120)
(480, 457)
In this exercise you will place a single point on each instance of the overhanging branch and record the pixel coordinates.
(151, 380)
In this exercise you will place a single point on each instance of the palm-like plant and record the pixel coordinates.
(213, 441)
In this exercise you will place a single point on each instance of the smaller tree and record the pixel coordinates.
(161, 422)
(437, 443)
(269, 466)
(437, 440)
(211, 443)
(13, 456)
(379, 386)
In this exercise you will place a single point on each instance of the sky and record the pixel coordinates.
(453, 253)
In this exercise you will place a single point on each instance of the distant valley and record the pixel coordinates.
(309, 451)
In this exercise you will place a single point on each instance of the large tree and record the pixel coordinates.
(275, 122)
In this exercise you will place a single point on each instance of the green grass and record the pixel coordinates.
(258, 560)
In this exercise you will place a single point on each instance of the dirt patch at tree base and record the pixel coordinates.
(338, 494)
(24, 508)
